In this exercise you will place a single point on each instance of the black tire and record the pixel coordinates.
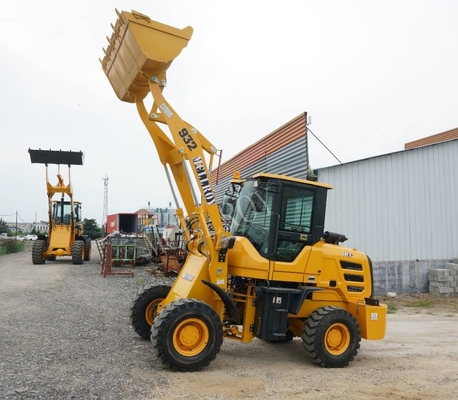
(143, 310)
(187, 335)
(51, 258)
(78, 252)
(331, 337)
(39, 252)
(87, 249)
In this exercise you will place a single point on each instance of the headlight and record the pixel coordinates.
(227, 242)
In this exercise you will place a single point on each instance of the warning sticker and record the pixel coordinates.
(166, 110)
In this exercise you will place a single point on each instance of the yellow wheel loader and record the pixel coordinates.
(275, 275)
(65, 226)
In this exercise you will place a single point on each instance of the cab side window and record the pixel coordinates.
(295, 222)
(297, 207)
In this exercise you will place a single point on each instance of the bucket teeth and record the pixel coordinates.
(138, 49)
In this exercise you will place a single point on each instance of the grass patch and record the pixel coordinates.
(391, 309)
(419, 303)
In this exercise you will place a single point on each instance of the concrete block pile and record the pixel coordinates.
(443, 282)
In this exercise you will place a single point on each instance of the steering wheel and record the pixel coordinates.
(258, 233)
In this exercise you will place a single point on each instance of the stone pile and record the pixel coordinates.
(443, 282)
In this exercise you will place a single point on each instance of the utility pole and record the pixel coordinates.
(105, 203)
(16, 224)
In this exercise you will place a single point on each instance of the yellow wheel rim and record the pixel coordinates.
(151, 311)
(190, 337)
(337, 339)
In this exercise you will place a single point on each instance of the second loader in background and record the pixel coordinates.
(65, 224)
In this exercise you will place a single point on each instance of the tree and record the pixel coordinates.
(91, 229)
(3, 226)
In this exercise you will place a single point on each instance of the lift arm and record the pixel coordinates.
(139, 53)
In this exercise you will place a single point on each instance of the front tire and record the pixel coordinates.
(144, 309)
(39, 249)
(78, 252)
(187, 335)
(331, 337)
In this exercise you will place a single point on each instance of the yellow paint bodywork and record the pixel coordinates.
(139, 53)
(61, 241)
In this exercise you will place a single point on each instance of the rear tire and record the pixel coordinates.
(144, 309)
(78, 252)
(331, 337)
(87, 249)
(39, 249)
(187, 334)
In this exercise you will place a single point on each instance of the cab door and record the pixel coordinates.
(300, 224)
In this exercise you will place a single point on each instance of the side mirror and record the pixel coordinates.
(227, 207)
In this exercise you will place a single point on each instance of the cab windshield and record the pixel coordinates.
(62, 212)
(252, 215)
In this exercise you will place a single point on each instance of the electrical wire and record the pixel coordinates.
(309, 130)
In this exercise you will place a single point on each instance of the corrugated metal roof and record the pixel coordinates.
(268, 145)
(437, 138)
(289, 160)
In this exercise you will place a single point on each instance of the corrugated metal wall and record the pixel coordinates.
(283, 151)
(399, 206)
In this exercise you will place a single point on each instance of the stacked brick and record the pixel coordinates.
(443, 282)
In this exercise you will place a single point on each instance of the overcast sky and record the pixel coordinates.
(373, 76)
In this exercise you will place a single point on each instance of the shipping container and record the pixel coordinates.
(122, 222)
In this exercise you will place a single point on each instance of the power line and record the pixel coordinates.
(309, 130)
(21, 218)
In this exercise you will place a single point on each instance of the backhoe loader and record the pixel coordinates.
(275, 275)
(65, 224)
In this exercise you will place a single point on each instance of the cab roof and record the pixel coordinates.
(292, 179)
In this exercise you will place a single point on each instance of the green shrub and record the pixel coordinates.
(10, 246)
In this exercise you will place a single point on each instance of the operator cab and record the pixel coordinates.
(62, 212)
(280, 215)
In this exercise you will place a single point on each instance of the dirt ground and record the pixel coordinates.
(418, 359)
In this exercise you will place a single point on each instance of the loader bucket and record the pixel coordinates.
(139, 49)
(56, 157)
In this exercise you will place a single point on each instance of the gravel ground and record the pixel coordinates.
(65, 334)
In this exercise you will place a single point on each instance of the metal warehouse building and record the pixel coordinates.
(399, 208)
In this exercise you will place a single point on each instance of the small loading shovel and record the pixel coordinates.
(65, 227)
(275, 275)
